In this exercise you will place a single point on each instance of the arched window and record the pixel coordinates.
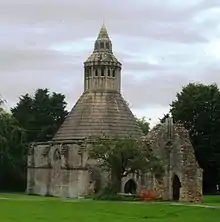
(96, 73)
(102, 72)
(113, 73)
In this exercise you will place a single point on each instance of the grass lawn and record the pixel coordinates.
(22, 208)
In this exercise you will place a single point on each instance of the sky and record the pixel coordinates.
(162, 44)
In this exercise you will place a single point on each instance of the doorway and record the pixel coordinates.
(176, 187)
(130, 187)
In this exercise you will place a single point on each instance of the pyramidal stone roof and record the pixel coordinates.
(100, 110)
(98, 113)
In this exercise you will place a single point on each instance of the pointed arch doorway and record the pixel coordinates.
(130, 187)
(176, 187)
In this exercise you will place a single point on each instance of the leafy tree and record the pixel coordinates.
(13, 150)
(198, 107)
(40, 115)
(1, 103)
(144, 125)
(121, 157)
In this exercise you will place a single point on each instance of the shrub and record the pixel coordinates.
(147, 195)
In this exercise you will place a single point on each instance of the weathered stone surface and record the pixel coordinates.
(98, 113)
(62, 167)
(172, 144)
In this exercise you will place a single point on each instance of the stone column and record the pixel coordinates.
(49, 169)
(31, 170)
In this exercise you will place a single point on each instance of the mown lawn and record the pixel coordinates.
(22, 208)
(212, 200)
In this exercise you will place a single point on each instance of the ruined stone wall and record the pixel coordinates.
(179, 159)
(38, 170)
(58, 170)
(191, 172)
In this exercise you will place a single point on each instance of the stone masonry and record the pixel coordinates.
(61, 167)
(183, 176)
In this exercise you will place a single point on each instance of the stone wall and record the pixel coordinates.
(173, 146)
(58, 170)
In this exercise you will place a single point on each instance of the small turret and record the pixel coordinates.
(103, 42)
(102, 71)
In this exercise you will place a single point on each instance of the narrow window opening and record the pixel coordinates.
(109, 72)
(102, 72)
(96, 73)
(113, 73)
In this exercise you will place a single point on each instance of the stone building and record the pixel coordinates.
(61, 167)
(182, 179)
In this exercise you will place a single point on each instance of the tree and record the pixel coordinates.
(123, 156)
(144, 125)
(198, 107)
(13, 149)
(40, 115)
(1, 103)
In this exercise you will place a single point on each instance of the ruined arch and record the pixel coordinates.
(176, 187)
(130, 186)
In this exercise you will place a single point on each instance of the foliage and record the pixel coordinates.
(1, 103)
(107, 193)
(34, 118)
(13, 150)
(110, 195)
(144, 125)
(123, 156)
(198, 107)
(40, 115)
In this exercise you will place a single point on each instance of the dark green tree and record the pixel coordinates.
(40, 115)
(13, 149)
(198, 107)
(123, 156)
(144, 124)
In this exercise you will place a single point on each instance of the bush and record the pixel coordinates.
(148, 195)
(108, 193)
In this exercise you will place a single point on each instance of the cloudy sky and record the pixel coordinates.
(162, 44)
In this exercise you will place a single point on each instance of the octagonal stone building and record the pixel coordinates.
(62, 167)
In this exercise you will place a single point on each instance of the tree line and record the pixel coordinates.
(37, 117)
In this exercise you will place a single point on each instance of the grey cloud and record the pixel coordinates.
(56, 10)
(160, 89)
(33, 33)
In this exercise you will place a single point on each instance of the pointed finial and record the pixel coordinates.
(103, 33)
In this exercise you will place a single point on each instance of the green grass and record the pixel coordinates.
(22, 208)
(212, 200)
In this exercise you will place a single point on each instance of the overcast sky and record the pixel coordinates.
(162, 44)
